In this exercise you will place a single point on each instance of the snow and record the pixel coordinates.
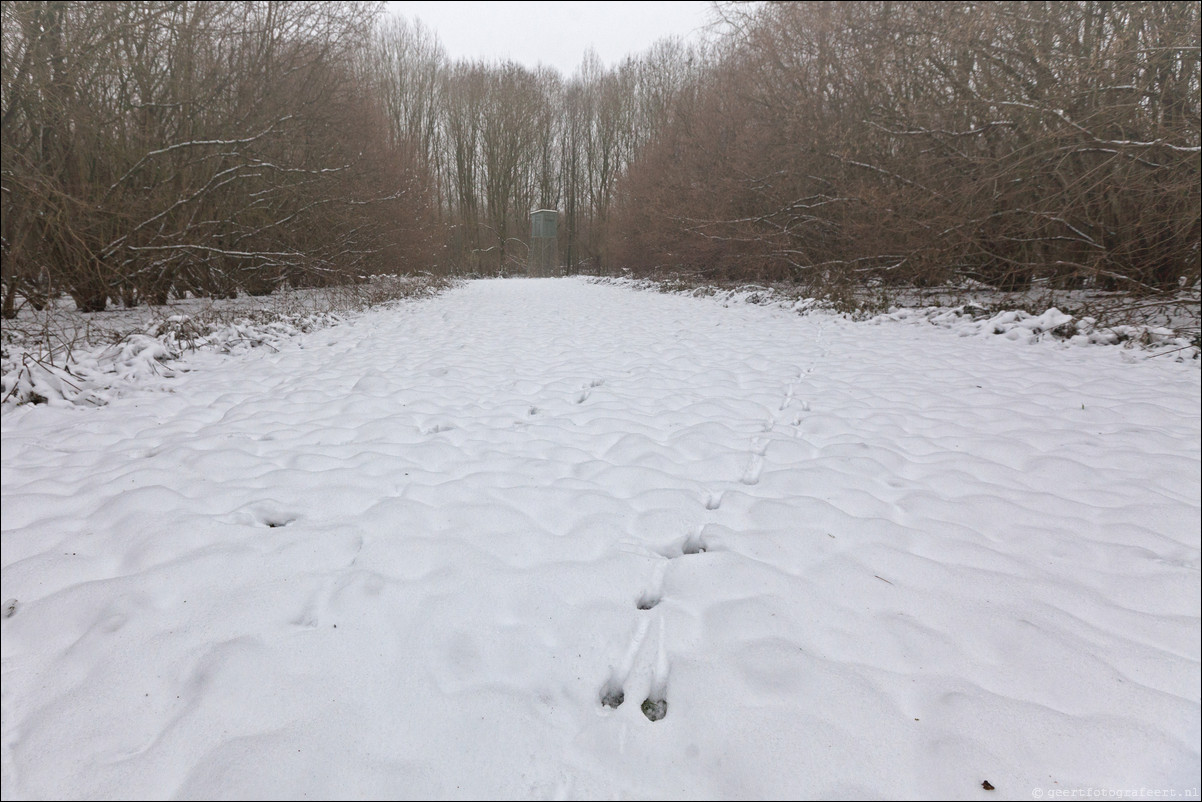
(97, 373)
(409, 556)
(1169, 325)
(61, 357)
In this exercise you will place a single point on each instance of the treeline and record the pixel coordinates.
(158, 148)
(153, 149)
(502, 140)
(861, 143)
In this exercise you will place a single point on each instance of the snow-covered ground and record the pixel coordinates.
(58, 356)
(470, 546)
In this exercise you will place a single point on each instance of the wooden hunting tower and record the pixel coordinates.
(544, 244)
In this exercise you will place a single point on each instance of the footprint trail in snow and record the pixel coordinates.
(545, 538)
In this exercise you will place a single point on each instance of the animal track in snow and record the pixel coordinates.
(587, 390)
(308, 617)
(655, 592)
(655, 709)
(612, 694)
(655, 706)
(647, 601)
(788, 399)
(755, 467)
(264, 513)
(798, 419)
(276, 519)
(713, 501)
(693, 544)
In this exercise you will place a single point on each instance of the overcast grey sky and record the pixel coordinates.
(556, 34)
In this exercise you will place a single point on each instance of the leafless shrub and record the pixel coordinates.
(157, 149)
(907, 145)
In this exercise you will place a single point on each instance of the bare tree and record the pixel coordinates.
(152, 147)
(848, 143)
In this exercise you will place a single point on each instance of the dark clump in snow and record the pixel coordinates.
(612, 697)
(655, 709)
(648, 602)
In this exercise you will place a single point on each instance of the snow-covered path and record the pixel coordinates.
(425, 555)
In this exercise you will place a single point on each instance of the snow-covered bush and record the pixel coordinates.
(60, 357)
